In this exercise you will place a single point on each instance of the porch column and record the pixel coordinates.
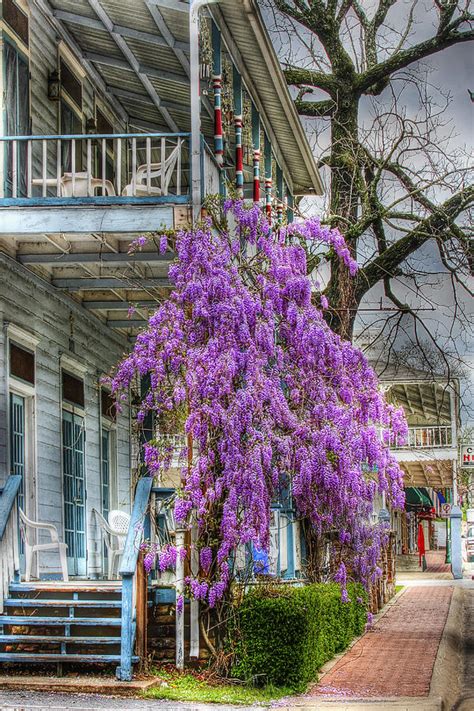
(239, 156)
(290, 215)
(256, 153)
(217, 85)
(268, 178)
(456, 542)
(279, 177)
(179, 589)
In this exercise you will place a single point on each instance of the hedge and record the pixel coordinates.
(285, 634)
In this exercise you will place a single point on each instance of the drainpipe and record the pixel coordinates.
(196, 167)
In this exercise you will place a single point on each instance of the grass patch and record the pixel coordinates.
(190, 687)
(398, 588)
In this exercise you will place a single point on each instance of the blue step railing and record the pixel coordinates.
(134, 588)
(9, 541)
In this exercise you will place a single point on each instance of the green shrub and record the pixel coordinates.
(285, 634)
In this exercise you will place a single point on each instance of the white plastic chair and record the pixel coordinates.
(119, 522)
(80, 184)
(113, 542)
(27, 530)
(140, 188)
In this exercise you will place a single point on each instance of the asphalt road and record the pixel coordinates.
(41, 701)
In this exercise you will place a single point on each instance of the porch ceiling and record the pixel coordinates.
(97, 271)
(427, 402)
(435, 474)
(140, 52)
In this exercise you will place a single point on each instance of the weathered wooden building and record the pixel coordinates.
(117, 119)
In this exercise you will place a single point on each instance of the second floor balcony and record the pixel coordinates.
(104, 169)
(427, 437)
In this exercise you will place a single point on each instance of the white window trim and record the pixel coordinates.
(70, 58)
(21, 336)
(72, 365)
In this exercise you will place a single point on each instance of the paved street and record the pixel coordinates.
(466, 701)
(40, 701)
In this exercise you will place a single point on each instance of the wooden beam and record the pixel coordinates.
(119, 305)
(145, 99)
(177, 5)
(174, 45)
(58, 260)
(92, 283)
(118, 63)
(84, 219)
(83, 21)
(133, 62)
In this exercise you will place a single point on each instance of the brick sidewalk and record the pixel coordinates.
(435, 561)
(396, 657)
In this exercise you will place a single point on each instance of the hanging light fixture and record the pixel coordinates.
(54, 86)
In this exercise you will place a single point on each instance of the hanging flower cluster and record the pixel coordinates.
(271, 394)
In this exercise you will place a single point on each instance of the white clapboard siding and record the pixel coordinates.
(45, 118)
(34, 305)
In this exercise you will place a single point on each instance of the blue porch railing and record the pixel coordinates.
(9, 548)
(97, 169)
(134, 584)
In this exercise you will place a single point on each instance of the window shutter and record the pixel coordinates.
(73, 389)
(108, 406)
(16, 19)
(22, 363)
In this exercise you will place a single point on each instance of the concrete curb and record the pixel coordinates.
(446, 680)
(395, 704)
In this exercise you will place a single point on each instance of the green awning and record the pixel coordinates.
(417, 496)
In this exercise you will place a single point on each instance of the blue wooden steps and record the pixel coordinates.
(54, 622)
(43, 602)
(82, 658)
(26, 620)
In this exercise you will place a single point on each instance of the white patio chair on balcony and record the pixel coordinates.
(163, 170)
(27, 530)
(77, 188)
(113, 543)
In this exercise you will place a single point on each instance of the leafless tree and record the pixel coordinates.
(396, 183)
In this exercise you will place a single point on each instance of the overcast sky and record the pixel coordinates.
(451, 70)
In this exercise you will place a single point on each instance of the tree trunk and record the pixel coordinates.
(346, 178)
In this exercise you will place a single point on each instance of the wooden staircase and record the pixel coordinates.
(57, 622)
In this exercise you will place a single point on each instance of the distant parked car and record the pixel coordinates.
(470, 544)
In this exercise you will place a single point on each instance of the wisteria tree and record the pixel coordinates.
(399, 185)
(269, 393)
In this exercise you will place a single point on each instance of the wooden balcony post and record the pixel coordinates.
(238, 118)
(217, 85)
(256, 153)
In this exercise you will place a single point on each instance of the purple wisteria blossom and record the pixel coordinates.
(269, 390)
